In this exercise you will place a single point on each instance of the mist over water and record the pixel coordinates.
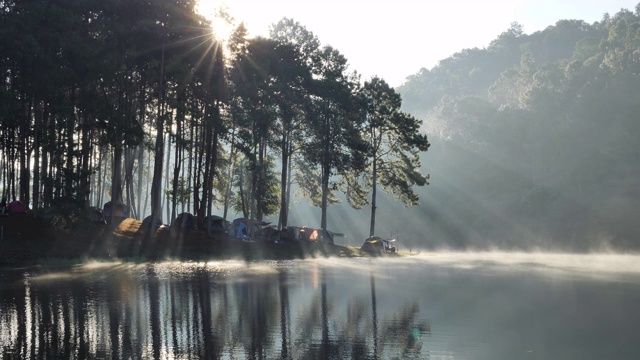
(439, 305)
(595, 266)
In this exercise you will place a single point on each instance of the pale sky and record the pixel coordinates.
(395, 39)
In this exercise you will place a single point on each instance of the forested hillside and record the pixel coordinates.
(535, 139)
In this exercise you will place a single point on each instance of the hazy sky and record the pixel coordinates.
(394, 39)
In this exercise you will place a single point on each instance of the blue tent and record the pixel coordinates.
(244, 228)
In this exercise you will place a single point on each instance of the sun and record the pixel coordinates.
(222, 23)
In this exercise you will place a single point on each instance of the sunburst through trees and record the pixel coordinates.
(151, 105)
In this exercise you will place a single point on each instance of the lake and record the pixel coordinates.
(429, 306)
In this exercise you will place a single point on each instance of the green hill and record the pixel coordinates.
(534, 139)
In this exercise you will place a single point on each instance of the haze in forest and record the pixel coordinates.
(534, 138)
(533, 143)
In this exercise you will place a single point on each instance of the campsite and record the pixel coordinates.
(30, 238)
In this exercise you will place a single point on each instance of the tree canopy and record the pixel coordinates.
(137, 102)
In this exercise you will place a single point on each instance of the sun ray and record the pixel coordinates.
(222, 23)
(206, 47)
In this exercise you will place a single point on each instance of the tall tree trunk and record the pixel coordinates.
(177, 160)
(260, 182)
(101, 176)
(39, 115)
(11, 170)
(142, 105)
(116, 177)
(212, 172)
(85, 175)
(202, 204)
(140, 155)
(129, 160)
(252, 191)
(177, 165)
(211, 147)
(374, 191)
(58, 160)
(326, 171)
(282, 221)
(24, 155)
(192, 132)
(93, 195)
(156, 183)
(147, 191)
(232, 158)
(70, 124)
(198, 168)
(165, 197)
(325, 195)
(241, 191)
(44, 160)
(289, 183)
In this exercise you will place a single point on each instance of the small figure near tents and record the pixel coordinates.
(243, 231)
(242, 228)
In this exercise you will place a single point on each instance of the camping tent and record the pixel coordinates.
(146, 224)
(97, 215)
(16, 207)
(312, 234)
(119, 210)
(378, 245)
(290, 234)
(267, 234)
(184, 221)
(239, 228)
(216, 225)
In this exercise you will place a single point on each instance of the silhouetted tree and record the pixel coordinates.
(395, 143)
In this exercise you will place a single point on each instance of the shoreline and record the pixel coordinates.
(31, 240)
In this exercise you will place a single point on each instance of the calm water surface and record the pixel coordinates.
(431, 306)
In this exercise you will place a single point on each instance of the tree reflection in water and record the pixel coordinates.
(288, 310)
(285, 315)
